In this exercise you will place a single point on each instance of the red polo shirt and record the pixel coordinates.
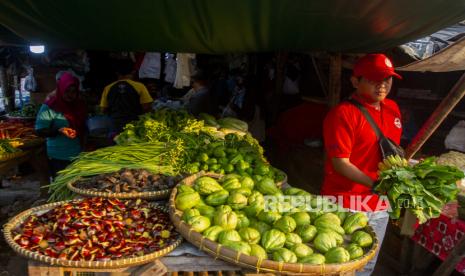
(347, 134)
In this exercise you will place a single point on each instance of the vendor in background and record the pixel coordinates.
(61, 120)
(197, 99)
(352, 148)
(237, 87)
(125, 99)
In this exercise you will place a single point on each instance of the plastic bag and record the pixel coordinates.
(455, 140)
(30, 83)
(151, 66)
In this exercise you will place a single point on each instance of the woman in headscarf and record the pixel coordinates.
(61, 119)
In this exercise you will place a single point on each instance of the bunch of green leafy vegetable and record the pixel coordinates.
(191, 134)
(423, 188)
(28, 110)
(193, 138)
(246, 142)
(162, 125)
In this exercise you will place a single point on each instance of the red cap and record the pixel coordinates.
(374, 67)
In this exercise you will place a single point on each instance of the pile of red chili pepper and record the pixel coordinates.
(97, 229)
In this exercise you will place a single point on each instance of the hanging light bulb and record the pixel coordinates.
(37, 49)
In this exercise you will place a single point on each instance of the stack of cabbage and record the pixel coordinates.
(231, 211)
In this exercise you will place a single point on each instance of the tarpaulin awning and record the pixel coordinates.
(448, 59)
(220, 26)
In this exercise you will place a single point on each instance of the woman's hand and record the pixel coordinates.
(68, 132)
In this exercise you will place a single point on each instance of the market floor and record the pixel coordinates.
(17, 266)
(383, 268)
(17, 193)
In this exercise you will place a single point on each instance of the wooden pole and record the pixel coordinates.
(439, 115)
(8, 90)
(281, 60)
(406, 254)
(321, 78)
(3, 84)
(335, 72)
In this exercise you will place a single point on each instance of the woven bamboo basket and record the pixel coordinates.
(155, 195)
(20, 118)
(251, 262)
(125, 262)
(10, 156)
(215, 175)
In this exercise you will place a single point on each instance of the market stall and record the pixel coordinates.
(219, 183)
(222, 180)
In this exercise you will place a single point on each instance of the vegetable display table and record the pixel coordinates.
(7, 165)
(153, 268)
(191, 260)
(31, 154)
(441, 235)
(188, 258)
(185, 258)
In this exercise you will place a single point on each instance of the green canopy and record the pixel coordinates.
(220, 26)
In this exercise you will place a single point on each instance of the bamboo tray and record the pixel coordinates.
(152, 195)
(125, 262)
(251, 262)
(155, 195)
(13, 117)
